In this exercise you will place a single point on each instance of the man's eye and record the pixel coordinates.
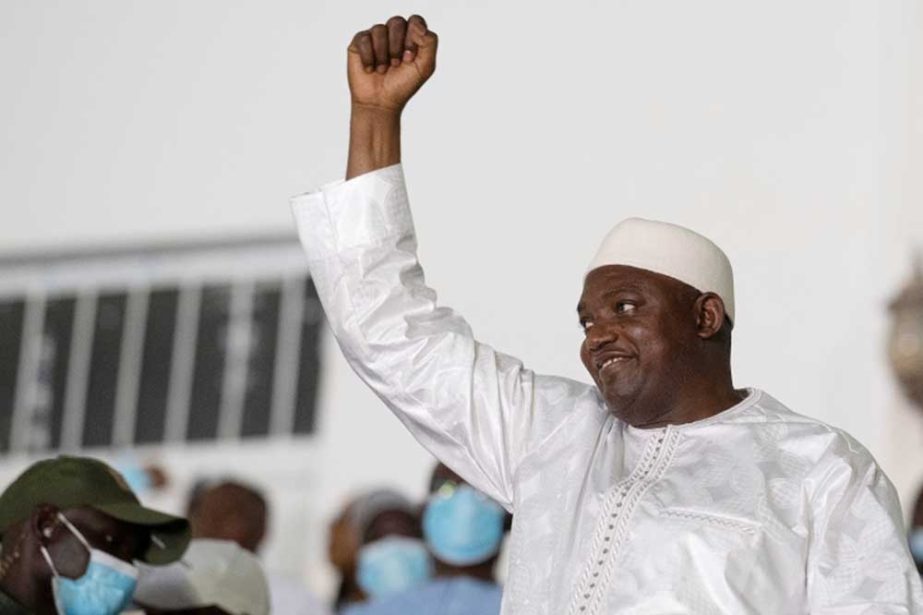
(585, 325)
(625, 307)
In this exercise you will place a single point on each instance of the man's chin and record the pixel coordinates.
(619, 403)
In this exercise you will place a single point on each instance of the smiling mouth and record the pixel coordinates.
(611, 362)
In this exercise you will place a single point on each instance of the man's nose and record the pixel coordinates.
(598, 336)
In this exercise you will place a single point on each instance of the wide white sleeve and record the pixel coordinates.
(477, 410)
(859, 562)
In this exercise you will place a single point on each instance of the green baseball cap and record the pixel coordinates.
(75, 482)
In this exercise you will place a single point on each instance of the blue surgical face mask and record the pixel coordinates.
(105, 588)
(392, 565)
(137, 476)
(462, 526)
(916, 544)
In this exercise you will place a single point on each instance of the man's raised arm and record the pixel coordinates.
(387, 64)
(477, 410)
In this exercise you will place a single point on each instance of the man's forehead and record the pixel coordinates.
(392, 522)
(444, 473)
(611, 278)
(229, 494)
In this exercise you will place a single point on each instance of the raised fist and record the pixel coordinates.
(389, 62)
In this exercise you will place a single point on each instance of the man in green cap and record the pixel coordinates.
(70, 529)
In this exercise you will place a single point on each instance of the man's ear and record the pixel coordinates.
(45, 524)
(69, 555)
(710, 315)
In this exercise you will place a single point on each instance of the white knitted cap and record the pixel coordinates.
(670, 250)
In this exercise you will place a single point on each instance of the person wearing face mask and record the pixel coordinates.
(463, 530)
(393, 557)
(214, 577)
(232, 510)
(71, 529)
(343, 542)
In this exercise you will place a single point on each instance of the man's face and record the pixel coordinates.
(343, 543)
(640, 331)
(392, 523)
(230, 512)
(119, 539)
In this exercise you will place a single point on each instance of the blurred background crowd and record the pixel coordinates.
(76, 540)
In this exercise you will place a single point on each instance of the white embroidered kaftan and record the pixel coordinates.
(755, 510)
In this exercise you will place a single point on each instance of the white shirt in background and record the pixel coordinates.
(289, 597)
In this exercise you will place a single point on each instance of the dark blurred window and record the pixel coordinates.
(263, 344)
(59, 327)
(159, 331)
(11, 321)
(212, 340)
(186, 343)
(105, 357)
(307, 379)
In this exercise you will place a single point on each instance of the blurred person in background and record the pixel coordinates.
(343, 542)
(346, 533)
(463, 530)
(214, 577)
(232, 510)
(143, 478)
(229, 510)
(392, 557)
(71, 531)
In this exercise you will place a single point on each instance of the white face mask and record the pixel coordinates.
(105, 588)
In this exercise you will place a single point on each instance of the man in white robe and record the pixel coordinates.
(662, 489)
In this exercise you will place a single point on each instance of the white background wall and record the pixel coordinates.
(789, 132)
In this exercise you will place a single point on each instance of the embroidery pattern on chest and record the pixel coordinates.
(615, 516)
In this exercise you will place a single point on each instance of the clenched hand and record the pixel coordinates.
(389, 62)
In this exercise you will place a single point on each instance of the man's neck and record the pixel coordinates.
(11, 592)
(31, 593)
(694, 401)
